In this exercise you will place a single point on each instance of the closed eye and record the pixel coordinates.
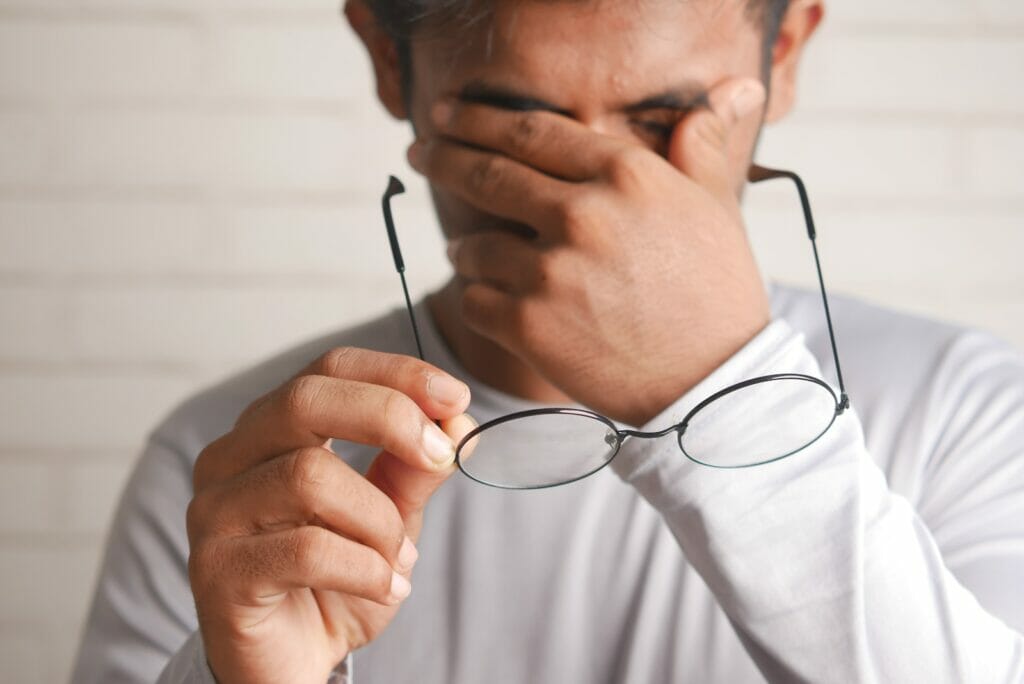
(655, 128)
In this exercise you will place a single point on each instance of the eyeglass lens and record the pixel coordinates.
(539, 450)
(768, 420)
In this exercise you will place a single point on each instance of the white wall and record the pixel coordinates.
(187, 185)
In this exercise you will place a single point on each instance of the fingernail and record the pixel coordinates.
(441, 113)
(415, 155)
(748, 99)
(400, 587)
(407, 555)
(438, 447)
(446, 389)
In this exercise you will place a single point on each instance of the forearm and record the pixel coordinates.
(826, 574)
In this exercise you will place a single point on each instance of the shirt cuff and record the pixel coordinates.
(776, 349)
(189, 666)
(342, 673)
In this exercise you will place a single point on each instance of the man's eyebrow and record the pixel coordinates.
(684, 98)
(501, 97)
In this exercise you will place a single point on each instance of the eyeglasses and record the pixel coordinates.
(773, 416)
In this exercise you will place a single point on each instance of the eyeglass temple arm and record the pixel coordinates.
(756, 175)
(395, 187)
(761, 173)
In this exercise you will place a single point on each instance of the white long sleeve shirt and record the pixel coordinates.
(891, 550)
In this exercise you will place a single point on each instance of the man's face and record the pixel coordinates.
(625, 68)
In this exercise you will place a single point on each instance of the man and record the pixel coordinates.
(586, 160)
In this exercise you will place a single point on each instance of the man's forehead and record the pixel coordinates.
(521, 22)
(619, 52)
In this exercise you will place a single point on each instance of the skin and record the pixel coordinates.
(295, 558)
(600, 257)
(572, 223)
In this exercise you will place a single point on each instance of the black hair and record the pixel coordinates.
(400, 18)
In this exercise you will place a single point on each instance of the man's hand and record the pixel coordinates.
(640, 280)
(296, 559)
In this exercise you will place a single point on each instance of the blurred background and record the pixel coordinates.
(189, 185)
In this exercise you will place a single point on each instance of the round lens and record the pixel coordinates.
(538, 450)
(765, 420)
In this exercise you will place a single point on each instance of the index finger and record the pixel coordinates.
(358, 395)
(547, 141)
(435, 391)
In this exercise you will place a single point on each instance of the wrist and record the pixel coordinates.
(662, 387)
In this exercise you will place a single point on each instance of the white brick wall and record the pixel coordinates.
(187, 185)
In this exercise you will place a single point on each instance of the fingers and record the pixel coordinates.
(308, 486)
(410, 488)
(311, 409)
(552, 143)
(511, 263)
(700, 144)
(252, 570)
(436, 392)
(367, 397)
(492, 183)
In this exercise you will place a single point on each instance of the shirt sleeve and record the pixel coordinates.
(142, 625)
(188, 665)
(826, 574)
(143, 615)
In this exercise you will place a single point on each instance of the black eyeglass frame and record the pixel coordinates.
(842, 401)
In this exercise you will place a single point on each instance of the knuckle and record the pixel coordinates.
(201, 565)
(487, 175)
(299, 396)
(255, 407)
(310, 551)
(196, 516)
(201, 470)
(334, 362)
(306, 474)
(412, 370)
(398, 409)
(576, 216)
(628, 167)
(401, 424)
(523, 136)
(207, 466)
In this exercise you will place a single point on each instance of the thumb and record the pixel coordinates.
(410, 487)
(700, 144)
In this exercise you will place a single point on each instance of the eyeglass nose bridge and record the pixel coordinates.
(679, 428)
(615, 437)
